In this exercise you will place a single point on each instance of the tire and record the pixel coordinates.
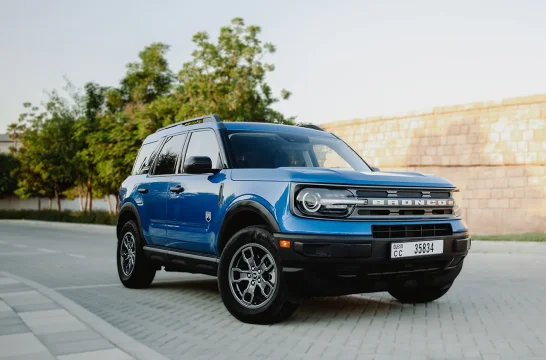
(141, 273)
(239, 284)
(419, 295)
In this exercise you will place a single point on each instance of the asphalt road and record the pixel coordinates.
(495, 310)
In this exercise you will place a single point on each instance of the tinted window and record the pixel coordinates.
(144, 157)
(204, 143)
(281, 149)
(166, 160)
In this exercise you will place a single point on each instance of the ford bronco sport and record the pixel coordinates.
(279, 213)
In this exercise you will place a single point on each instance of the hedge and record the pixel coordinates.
(90, 217)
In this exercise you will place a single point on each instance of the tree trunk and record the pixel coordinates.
(84, 196)
(80, 198)
(50, 205)
(90, 193)
(109, 203)
(58, 200)
(117, 204)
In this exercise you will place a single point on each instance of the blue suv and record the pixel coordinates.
(279, 213)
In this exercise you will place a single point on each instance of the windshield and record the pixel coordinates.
(259, 150)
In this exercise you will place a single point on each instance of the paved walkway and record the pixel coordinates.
(34, 326)
(495, 310)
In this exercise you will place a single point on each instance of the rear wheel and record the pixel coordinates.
(250, 278)
(134, 270)
(419, 295)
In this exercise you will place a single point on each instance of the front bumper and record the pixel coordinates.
(335, 265)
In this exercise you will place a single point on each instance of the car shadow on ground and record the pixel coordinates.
(313, 307)
(205, 285)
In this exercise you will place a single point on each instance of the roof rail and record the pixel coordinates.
(311, 126)
(200, 119)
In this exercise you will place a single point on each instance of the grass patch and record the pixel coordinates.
(514, 237)
(91, 217)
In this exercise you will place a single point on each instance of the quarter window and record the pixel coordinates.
(166, 161)
(145, 158)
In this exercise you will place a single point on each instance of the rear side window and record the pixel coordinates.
(166, 160)
(144, 158)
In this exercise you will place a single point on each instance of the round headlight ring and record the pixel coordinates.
(310, 201)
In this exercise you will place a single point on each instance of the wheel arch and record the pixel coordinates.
(253, 212)
(127, 212)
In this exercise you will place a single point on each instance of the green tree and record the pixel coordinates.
(93, 107)
(142, 104)
(8, 181)
(25, 132)
(48, 150)
(86, 144)
(229, 77)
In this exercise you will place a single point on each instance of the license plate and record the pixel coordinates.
(416, 248)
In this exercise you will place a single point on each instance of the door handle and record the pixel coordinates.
(176, 189)
(143, 190)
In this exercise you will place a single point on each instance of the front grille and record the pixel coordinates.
(410, 231)
(385, 203)
(371, 194)
(407, 194)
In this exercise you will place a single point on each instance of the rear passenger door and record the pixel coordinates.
(194, 200)
(156, 189)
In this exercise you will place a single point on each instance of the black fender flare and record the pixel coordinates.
(128, 208)
(248, 205)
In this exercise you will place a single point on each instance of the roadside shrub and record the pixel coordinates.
(91, 217)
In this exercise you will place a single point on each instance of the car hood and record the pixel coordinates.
(338, 176)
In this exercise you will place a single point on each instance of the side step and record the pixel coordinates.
(179, 260)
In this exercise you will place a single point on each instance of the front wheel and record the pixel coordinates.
(250, 278)
(419, 295)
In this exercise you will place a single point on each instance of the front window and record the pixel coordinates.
(260, 149)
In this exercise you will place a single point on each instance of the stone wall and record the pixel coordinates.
(494, 152)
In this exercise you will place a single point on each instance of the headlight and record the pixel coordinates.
(325, 202)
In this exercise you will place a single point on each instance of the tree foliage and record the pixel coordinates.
(228, 77)
(86, 141)
(8, 167)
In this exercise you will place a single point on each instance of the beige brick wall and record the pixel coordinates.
(495, 153)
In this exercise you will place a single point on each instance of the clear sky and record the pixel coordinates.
(341, 59)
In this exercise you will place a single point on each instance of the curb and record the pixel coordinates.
(109, 332)
(57, 224)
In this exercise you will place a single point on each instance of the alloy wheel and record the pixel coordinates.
(127, 254)
(253, 276)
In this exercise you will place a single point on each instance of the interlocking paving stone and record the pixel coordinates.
(7, 281)
(494, 310)
(13, 329)
(14, 319)
(61, 337)
(14, 288)
(79, 346)
(4, 306)
(25, 298)
(37, 356)
(51, 321)
(20, 344)
(36, 307)
(111, 354)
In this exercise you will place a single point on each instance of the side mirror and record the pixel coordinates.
(374, 169)
(199, 165)
(145, 170)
